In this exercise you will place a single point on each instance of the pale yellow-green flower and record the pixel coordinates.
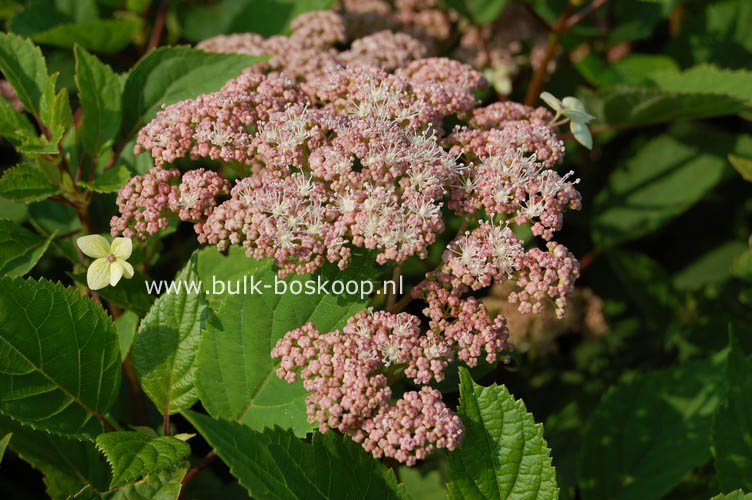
(574, 111)
(110, 264)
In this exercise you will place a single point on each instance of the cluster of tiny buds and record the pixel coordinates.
(346, 372)
(546, 274)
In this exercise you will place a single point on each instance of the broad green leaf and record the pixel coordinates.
(734, 495)
(648, 432)
(125, 327)
(165, 348)
(44, 23)
(102, 35)
(170, 74)
(665, 177)
(648, 285)
(60, 368)
(99, 91)
(274, 464)
(138, 6)
(164, 485)
(701, 92)
(237, 376)
(503, 454)
(636, 19)
(732, 424)
(479, 11)
(4, 444)
(14, 126)
(128, 294)
(422, 485)
(742, 266)
(742, 165)
(623, 107)
(55, 111)
(713, 267)
(266, 17)
(110, 181)
(215, 266)
(50, 216)
(716, 32)
(20, 249)
(133, 455)
(634, 69)
(136, 164)
(22, 64)
(708, 79)
(14, 210)
(68, 465)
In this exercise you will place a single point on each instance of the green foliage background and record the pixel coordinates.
(658, 408)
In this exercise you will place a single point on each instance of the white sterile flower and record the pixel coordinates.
(572, 108)
(110, 264)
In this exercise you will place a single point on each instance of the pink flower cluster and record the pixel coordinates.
(462, 322)
(146, 202)
(339, 147)
(546, 274)
(346, 372)
(217, 125)
(142, 203)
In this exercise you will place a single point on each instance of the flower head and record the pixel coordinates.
(110, 264)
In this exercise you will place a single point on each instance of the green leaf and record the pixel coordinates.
(713, 267)
(61, 368)
(55, 112)
(125, 327)
(648, 432)
(44, 23)
(648, 285)
(165, 485)
(275, 464)
(732, 424)
(23, 66)
(666, 176)
(26, 183)
(716, 32)
(623, 107)
(110, 181)
(742, 266)
(503, 454)
(479, 11)
(266, 17)
(742, 165)
(734, 495)
(128, 294)
(14, 210)
(14, 126)
(50, 216)
(171, 74)
(68, 465)
(165, 348)
(213, 265)
(634, 69)
(99, 91)
(237, 376)
(422, 485)
(20, 249)
(704, 91)
(708, 79)
(4, 444)
(133, 454)
(637, 19)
